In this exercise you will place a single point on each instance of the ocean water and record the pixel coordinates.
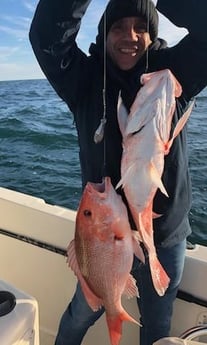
(39, 149)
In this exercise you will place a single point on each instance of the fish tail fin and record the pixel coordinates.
(115, 325)
(159, 276)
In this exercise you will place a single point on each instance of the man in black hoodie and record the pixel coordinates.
(90, 86)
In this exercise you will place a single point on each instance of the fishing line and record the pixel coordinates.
(147, 51)
(99, 133)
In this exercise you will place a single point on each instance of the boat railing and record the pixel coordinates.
(195, 333)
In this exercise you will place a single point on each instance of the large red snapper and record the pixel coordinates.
(146, 140)
(101, 255)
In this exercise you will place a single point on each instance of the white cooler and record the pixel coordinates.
(20, 326)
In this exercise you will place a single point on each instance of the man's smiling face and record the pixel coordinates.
(127, 41)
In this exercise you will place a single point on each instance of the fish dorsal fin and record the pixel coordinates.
(179, 126)
(93, 301)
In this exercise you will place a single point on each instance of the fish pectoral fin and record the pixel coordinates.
(138, 252)
(131, 289)
(93, 301)
(178, 128)
(156, 179)
(71, 258)
(127, 176)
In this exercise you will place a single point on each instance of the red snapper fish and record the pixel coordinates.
(146, 140)
(101, 254)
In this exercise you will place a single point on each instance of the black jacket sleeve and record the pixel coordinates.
(52, 35)
(188, 59)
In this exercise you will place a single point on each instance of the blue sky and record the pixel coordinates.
(17, 60)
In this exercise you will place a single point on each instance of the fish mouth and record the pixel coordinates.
(99, 188)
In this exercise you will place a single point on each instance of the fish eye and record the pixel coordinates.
(118, 238)
(87, 213)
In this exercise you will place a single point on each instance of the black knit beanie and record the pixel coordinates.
(117, 9)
